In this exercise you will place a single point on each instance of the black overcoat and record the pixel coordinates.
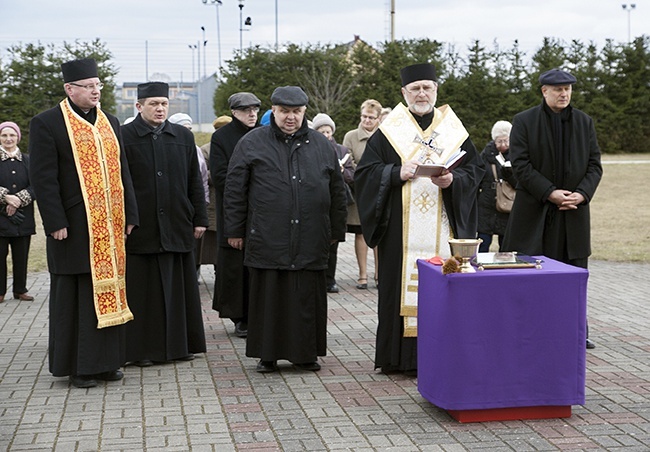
(14, 176)
(55, 182)
(168, 187)
(532, 153)
(285, 196)
(490, 221)
(222, 145)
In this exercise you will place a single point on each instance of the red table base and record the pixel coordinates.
(511, 414)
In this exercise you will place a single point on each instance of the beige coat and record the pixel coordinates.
(356, 140)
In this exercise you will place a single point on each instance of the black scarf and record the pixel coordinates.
(561, 132)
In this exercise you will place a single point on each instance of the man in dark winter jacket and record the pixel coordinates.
(556, 160)
(231, 285)
(284, 203)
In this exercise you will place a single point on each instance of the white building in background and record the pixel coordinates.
(195, 99)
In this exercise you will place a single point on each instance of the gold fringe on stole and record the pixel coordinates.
(425, 225)
(96, 152)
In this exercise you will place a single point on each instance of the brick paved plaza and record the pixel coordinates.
(219, 403)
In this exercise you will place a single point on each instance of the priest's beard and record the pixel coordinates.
(420, 109)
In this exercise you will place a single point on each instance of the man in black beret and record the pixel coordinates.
(161, 271)
(284, 202)
(231, 283)
(556, 160)
(410, 136)
(79, 172)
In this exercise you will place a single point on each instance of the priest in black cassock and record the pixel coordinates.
(284, 204)
(79, 173)
(161, 272)
(409, 217)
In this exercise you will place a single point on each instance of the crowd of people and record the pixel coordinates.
(132, 211)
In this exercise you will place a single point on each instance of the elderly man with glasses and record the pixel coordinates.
(81, 178)
(408, 217)
(231, 283)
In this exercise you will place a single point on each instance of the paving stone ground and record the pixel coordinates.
(219, 403)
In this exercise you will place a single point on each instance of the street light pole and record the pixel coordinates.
(205, 42)
(192, 47)
(276, 25)
(629, 12)
(241, 26)
(216, 4)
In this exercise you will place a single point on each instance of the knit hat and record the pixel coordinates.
(501, 129)
(11, 125)
(322, 119)
(79, 70)
(182, 119)
(266, 118)
(221, 121)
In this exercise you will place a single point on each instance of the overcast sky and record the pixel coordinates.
(155, 36)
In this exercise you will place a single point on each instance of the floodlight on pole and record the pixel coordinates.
(216, 4)
(629, 9)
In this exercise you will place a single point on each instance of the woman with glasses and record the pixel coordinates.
(495, 157)
(356, 140)
(16, 211)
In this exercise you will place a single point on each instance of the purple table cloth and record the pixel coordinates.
(502, 338)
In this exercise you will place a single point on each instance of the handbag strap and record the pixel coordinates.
(494, 171)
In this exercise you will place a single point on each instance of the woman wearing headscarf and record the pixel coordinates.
(16, 211)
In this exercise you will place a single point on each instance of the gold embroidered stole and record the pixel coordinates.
(425, 226)
(96, 152)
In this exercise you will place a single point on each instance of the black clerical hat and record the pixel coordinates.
(415, 72)
(79, 70)
(153, 89)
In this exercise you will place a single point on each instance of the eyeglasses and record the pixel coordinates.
(429, 89)
(370, 118)
(90, 87)
(502, 141)
(249, 109)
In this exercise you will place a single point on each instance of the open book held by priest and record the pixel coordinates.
(436, 169)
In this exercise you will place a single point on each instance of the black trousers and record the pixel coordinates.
(330, 274)
(19, 255)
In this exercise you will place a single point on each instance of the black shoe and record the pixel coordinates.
(83, 381)
(143, 363)
(362, 283)
(266, 367)
(308, 366)
(389, 369)
(590, 344)
(189, 357)
(241, 329)
(111, 375)
(332, 288)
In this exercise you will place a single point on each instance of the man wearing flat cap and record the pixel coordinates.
(556, 160)
(231, 284)
(408, 217)
(161, 272)
(284, 203)
(81, 179)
